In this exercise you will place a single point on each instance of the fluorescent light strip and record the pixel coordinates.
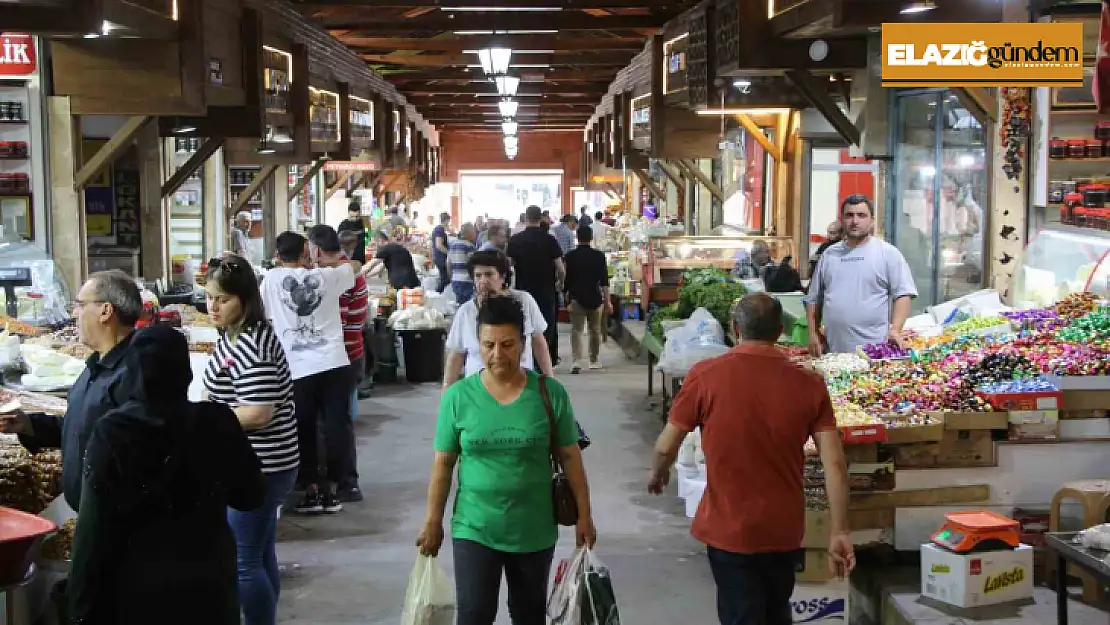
(515, 51)
(505, 32)
(519, 65)
(288, 57)
(355, 97)
(503, 9)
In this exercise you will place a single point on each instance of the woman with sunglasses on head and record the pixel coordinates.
(248, 372)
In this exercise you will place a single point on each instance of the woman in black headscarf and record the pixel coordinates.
(152, 543)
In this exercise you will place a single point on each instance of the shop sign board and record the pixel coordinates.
(127, 208)
(351, 166)
(17, 54)
(1042, 54)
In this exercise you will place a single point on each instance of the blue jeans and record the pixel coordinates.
(354, 405)
(463, 291)
(255, 539)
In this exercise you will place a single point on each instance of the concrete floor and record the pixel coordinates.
(354, 566)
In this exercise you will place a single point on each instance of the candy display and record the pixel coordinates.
(1038, 384)
(848, 414)
(832, 365)
(976, 323)
(1076, 305)
(1091, 327)
(885, 351)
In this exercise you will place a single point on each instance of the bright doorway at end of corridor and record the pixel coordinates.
(504, 194)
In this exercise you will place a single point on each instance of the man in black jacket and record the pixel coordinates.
(107, 307)
(353, 223)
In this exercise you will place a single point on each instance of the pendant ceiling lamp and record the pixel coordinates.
(509, 128)
(495, 61)
(508, 108)
(507, 85)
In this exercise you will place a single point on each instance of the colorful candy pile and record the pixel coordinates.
(885, 351)
(1039, 384)
(1090, 328)
(976, 323)
(1076, 305)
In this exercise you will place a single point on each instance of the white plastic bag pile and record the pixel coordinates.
(699, 338)
(48, 369)
(417, 318)
(430, 597)
(1097, 537)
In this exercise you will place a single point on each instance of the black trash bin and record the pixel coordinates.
(384, 353)
(423, 354)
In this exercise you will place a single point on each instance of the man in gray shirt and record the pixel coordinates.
(861, 288)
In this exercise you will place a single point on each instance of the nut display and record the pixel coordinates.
(59, 546)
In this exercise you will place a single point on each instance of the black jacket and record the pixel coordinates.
(152, 543)
(107, 383)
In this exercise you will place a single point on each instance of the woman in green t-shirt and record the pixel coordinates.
(495, 426)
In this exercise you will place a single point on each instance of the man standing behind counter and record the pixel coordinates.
(106, 309)
(861, 289)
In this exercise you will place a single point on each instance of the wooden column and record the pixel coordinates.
(154, 219)
(280, 193)
(68, 241)
(216, 218)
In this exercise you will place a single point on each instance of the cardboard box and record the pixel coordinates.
(871, 476)
(815, 567)
(820, 603)
(1039, 400)
(856, 434)
(865, 452)
(976, 579)
(974, 420)
(919, 456)
(966, 448)
(1040, 425)
(1085, 400)
(915, 434)
(1080, 415)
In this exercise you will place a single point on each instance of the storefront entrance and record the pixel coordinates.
(505, 194)
(937, 193)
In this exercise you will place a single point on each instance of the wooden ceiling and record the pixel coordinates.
(566, 52)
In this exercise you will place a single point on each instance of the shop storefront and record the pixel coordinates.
(23, 195)
(938, 193)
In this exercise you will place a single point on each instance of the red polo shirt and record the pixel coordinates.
(756, 410)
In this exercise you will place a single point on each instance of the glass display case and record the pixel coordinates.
(186, 225)
(669, 257)
(1060, 261)
(43, 302)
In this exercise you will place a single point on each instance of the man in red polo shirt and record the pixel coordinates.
(756, 410)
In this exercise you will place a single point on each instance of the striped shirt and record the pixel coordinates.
(252, 371)
(458, 254)
(352, 310)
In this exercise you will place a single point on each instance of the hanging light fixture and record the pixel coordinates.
(495, 61)
(919, 7)
(512, 142)
(509, 127)
(507, 85)
(264, 148)
(508, 108)
(182, 127)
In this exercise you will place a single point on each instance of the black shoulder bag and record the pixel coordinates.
(562, 496)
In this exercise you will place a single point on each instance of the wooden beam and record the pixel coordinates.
(693, 171)
(108, 153)
(672, 173)
(577, 58)
(755, 131)
(979, 103)
(614, 191)
(925, 497)
(517, 43)
(561, 21)
(426, 103)
(311, 7)
(527, 75)
(650, 184)
(339, 184)
(296, 189)
(488, 90)
(259, 179)
(189, 167)
(139, 20)
(817, 93)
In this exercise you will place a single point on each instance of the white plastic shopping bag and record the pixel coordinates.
(583, 593)
(429, 598)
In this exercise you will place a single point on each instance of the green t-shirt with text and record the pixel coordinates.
(503, 499)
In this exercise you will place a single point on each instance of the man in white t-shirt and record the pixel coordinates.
(861, 288)
(489, 270)
(302, 302)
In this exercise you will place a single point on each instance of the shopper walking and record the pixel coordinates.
(601, 231)
(152, 543)
(248, 372)
(240, 242)
(464, 353)
(497, 239)
(587, 286)
(861, 289)
(106, 309)
(495, 426)
(756, 410)
(564, 232)
(353, 305)
(457, 258)
(353, 223)
(538, 265)
(302, 302)
(584, 219)
(440, 250)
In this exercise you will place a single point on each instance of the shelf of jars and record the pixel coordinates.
(1079, 170)
(16, 211)
(187, 203)
(361, 122)
(323, 116)
(239, 177)
(277, 70)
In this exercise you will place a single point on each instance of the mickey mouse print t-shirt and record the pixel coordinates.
(303, 307)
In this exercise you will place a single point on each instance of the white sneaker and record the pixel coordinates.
(595, 365)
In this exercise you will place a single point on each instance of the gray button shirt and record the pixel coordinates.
(855, 288)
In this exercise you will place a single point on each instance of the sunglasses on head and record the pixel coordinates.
(229, 263)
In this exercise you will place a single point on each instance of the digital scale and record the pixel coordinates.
(977, 530)
(10, 278)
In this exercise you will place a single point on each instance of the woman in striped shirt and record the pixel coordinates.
(248, 371)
